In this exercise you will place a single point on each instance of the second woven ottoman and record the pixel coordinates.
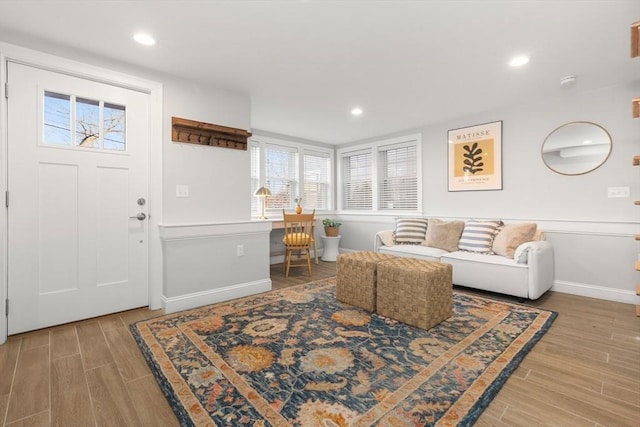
(414, 291)
(356, 278)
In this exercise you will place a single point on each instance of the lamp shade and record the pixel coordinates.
(262, 191)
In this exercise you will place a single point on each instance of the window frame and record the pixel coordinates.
(263, 142)
(376, 148)
(73, 100)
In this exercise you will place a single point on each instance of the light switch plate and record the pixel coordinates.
(618, 192)
(182, 191)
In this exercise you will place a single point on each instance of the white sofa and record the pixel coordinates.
(528, 275)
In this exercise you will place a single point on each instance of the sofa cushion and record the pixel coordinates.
(443, 234)
(414, 251)
(479, 257)
(511, 236)
(410, 231)
(492, 273)
(478, 236)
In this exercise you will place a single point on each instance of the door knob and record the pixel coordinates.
(140, 217)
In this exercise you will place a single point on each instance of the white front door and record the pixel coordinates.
(77, 178)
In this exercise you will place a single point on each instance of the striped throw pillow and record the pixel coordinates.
(478, 236)
(410, 231)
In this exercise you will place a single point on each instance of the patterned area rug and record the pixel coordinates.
(297, 357)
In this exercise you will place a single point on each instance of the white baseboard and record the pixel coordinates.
(197, 299)
(600, 292)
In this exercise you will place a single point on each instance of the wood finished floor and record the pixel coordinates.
(584, 372)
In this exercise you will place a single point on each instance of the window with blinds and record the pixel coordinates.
(281, 176)
(317, 167)
(398, 184)
(382, 176)
(254, 151)
(357, 191)
(291, 170)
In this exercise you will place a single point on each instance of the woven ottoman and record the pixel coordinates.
(414, 291)
(356, 278)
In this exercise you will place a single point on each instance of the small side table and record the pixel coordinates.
(330, 251)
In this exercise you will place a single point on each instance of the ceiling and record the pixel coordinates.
(306, 63)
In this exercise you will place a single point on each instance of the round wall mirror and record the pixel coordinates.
(576, 148)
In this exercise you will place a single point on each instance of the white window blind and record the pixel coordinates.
(281, 176)
(357, 191)
(382, 176)
(398, 177)
(317, 167)
(291, 170)
(256, 202)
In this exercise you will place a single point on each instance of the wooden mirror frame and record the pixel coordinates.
(576, 148)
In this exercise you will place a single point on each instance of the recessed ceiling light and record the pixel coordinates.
(144, 39)
(356, 111)
(519, 61)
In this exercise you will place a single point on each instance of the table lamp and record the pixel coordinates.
(263, 192)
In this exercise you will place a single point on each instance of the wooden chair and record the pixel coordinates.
(298, 238)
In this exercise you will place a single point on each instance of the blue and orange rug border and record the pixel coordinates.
(478, 406)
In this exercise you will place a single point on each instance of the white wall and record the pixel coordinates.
(530, 189)
(218, 178)
(592, 234)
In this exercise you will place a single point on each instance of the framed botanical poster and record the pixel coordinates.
(475, 157)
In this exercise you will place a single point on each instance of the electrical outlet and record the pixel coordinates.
(182, 191)
(240, 250)
(617, 192)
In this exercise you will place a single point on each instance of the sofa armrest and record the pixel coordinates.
(383, 238)
(540, 258)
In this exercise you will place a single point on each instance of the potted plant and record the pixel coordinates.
(331, 227)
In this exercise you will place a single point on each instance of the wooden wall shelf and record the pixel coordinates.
(635, 108)
(201, 133)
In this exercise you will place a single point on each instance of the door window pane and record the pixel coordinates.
(57, 119)
(87, 123)
(114, 127)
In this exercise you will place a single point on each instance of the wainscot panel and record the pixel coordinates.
(208, 263)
